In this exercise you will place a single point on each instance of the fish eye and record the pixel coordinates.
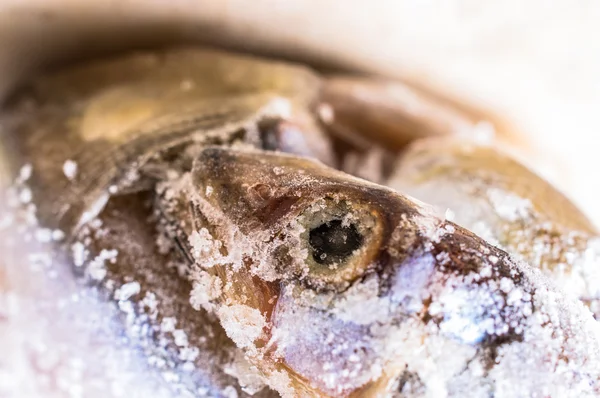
(333, 242)
(341, 240)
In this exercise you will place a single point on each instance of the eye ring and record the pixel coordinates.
(342, 239)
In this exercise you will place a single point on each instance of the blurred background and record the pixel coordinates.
(530, 66)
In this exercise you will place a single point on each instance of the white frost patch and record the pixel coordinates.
(278, 106)
(43, 235)
(278, 170)
(509, 206)
(205, 249)
(206, 288)
(94, 210)
(449, 215)
(70, 169)
(362, 305)
(168, 324)
(463, 309)
(280, 382)
(25, 196)
(58, 235)
(80, 253)
(326, 113)
(127, 291)
(428, 221)
(242, 324)
(250, 378)
(25, 173)
(436, 359)
(96, 269)
(409, 285)
(180, 338)
(230, 392)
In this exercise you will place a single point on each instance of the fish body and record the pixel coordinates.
(199, 191)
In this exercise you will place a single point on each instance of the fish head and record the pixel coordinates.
(331, 284)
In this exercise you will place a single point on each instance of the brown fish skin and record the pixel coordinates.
(392, 114)
(503, 201)
(393, 299)
(111, 117)
(370, 110)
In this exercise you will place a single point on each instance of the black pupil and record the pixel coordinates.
(333, 242)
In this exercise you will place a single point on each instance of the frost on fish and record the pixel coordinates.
(414, 305)
(500, 200)
(70, 169)
(218, 269)
(307, 281)
(129, 311)
(51, 326)
(256, 274)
